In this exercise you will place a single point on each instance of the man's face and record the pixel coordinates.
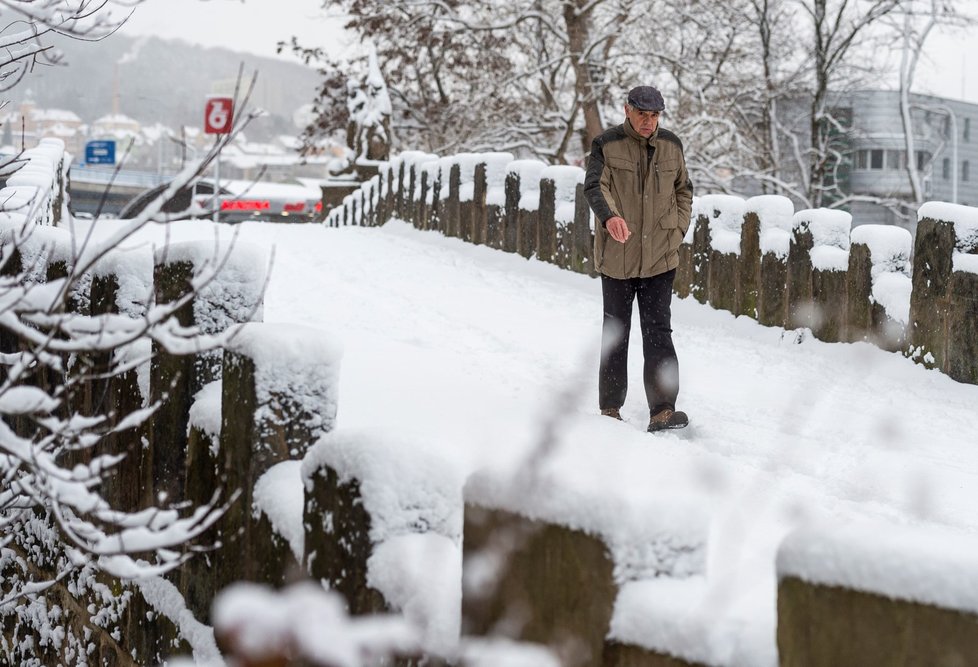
(643, 122)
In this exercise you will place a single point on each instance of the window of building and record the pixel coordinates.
(862, 159)
(946, 168)
(876, 158)
(923, 157)
(895, 159)
(964, 170)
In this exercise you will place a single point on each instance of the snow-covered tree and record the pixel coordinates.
(57, 528)
(914, 23)
(31, 25)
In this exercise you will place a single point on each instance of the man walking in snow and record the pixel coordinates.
(640, 192)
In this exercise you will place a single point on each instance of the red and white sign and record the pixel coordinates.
(218, 115)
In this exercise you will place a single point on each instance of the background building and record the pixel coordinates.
(946, 152)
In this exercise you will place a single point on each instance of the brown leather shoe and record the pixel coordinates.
(667, 418)
(612, 412)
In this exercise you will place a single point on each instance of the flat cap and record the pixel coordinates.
(646, 98)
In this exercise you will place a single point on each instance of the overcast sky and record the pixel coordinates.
(256, 26)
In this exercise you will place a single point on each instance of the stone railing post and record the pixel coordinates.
(559, 183)
(844, 596)
(582, 245)
(879, 285)
(423, 208)
(944, 302)
(555, 575)
(546, 227)
(528, 216)
(726, 217)
(683, 284)
(700, 288)
(774, 215)
(400, 196)
(549, 566)
(116, 279)
(362, 491)
(466, 194)
(438, 183)
(451, 220)
(800, 304)
(278, 396)
(496, 171)
(337, 550)
(510, 233)
(749, 280)
(410, 198)
(232, 295)
(962, 347)
(479, 215)
(830, 230)
(930, 301)
(356, 209)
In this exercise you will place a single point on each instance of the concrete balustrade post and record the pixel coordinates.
(121, 284)
(278, 396)
(726, 218)
(452, 217)
(423, 207)
(439, 184)
(582, 248)
(400, 190)
(226, 282)
(337, 543)
(511, 227)
(410, 197)
(546, 228)
(479, 215)
(844, 597)
(879, 286)
(930, 301)
(859, 294)
(556, 587)
(749, 280)
(683, 283)
(701, 259)
(962, 344)
(800, 303)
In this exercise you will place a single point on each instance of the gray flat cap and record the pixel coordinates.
(646, 98)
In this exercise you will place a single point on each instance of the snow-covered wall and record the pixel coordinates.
(757, 279)
(36, 190)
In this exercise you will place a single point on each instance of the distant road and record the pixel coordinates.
(88, 185)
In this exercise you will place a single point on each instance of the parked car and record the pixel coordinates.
(238, 201)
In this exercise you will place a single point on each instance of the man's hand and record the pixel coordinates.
(618, 229)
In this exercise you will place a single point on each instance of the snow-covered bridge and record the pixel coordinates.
(817, 479)
(471, 355)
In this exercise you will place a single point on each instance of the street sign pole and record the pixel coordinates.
(217, 186)
(218, 119)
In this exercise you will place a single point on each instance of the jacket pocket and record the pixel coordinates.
(669, 219)
(665, 171)
(624, 176)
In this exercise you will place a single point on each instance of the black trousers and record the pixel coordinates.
(661, 365)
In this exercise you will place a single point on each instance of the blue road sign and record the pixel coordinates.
(100, 152)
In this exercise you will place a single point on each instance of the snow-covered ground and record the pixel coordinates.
(471, 352)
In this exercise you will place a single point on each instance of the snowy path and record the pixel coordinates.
(447, 340)
(467, 349)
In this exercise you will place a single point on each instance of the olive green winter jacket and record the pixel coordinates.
(645, 182)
